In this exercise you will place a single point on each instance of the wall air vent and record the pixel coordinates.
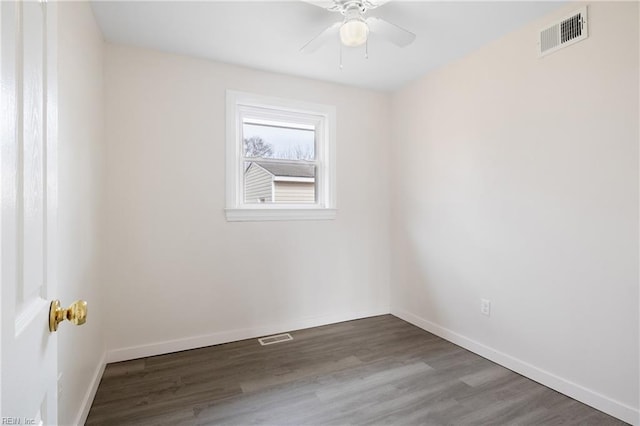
(563, 33)
(264, 341)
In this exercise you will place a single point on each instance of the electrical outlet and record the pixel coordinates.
(485, 307)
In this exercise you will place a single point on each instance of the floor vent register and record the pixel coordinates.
(278, 338)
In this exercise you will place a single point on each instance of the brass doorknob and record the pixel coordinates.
(76, 313)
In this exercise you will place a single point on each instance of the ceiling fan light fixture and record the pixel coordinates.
(354, 32)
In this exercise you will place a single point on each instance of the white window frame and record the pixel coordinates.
(242, 104)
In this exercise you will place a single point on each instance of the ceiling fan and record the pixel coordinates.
(354, 29)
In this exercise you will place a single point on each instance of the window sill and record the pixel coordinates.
(256, 215)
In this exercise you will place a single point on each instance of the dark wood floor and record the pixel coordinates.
(378, 370)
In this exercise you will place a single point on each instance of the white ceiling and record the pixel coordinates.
(268, 35)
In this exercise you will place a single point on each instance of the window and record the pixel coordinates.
(280, 159)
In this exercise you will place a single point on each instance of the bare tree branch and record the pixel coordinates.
(256, 147)
(297, 153)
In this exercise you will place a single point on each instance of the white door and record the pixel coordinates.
(28, 352)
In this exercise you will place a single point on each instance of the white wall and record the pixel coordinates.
(179, 274)
(81, 204)
(516, 179)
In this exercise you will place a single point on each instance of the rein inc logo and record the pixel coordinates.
(18, 421)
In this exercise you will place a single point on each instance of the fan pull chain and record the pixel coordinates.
(340, 55)
(366, 48)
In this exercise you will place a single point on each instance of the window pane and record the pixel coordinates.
(278, 140)
(281, 182)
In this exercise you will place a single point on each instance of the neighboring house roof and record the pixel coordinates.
(288, 170)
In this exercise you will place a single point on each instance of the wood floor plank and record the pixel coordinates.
(374, 371)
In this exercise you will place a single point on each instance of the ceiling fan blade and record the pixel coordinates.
(393, 33)
(338, 5)
(321, 38)
(372, 4)
(325, 4)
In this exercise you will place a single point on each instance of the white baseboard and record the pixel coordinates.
(91, 392)
(168, 346)
(575, 391)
